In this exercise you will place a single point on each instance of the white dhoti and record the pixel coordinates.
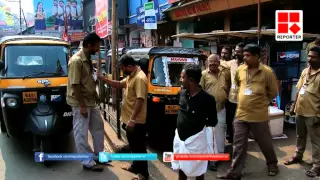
(200, 143)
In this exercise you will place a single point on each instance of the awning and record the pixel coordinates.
(212, 36)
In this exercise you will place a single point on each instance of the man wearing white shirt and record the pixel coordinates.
(61, 14)
(76, 14)
(55, 13)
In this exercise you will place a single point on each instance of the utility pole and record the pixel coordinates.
(114, 38)
(259, 21)
(114, 56)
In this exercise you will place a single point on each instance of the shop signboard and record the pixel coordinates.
(150, 18)
(289, 56)
(158, 11)
(52, 15)
(102, 18)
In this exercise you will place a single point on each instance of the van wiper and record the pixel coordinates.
(40, 73)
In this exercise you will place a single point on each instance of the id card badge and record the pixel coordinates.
(233, 86)
(95, 77)
(302, 90)
(247, 92)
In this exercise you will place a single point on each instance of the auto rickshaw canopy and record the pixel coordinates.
(29, 39)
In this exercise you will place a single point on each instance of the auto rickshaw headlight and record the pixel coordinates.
(12, 102)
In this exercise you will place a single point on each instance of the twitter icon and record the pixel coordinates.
(103, 157)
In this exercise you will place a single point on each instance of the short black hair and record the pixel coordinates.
(127, 60)
(254, 49)
(91, 38)
(227, 48)
(193, 71)
(241, 45)
(317, 41)
(316, 49)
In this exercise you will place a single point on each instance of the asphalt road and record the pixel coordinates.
(16, 163)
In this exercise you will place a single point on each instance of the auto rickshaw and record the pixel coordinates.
(33, 87)
(163, 66)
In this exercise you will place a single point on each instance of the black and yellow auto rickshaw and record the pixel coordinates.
(33, 88)
(163, 66)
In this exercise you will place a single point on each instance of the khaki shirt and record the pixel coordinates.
(217, 86)
(233, 95)
(263, 86)
(79, 72)
(308, 103)
(136, 87)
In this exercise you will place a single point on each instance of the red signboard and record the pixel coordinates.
(193, 9)
(102, 18)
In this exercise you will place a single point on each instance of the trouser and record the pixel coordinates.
(138, 144)
(231, 111)
(303, 126)
(220, 132)
(94, 124)
(261, 132)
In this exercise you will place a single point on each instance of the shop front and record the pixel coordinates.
(141, 36)
(287, 59)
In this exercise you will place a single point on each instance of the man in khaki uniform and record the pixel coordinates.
(216, 81)
(257, 87)
(133, 111)
(82, 97)
(231, 105)
(307, 109)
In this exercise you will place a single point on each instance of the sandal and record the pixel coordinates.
(95, 168)
(293, 160)
(273, 170)
(129, 168)
(313, 172)
(139, 177)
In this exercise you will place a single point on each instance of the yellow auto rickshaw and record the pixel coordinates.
(163, 66)
(33, 87)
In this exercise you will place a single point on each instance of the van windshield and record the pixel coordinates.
(166, 70)
(36, 60)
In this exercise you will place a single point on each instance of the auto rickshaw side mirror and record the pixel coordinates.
(2, 65)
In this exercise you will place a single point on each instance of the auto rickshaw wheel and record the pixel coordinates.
(46, 147)
(3, 127)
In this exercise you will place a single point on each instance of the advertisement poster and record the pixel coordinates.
(6, 20)
(55, 15)
(150, 18)
(102, 18)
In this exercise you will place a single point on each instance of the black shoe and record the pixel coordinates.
(213, 166)
(95, 168)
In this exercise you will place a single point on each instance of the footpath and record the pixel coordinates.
(255, 167)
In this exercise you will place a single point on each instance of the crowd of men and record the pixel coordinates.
(230, 97)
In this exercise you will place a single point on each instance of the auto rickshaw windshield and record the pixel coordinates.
(26, 60)
(166, 70)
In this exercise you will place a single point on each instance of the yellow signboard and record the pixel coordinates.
(30, 97)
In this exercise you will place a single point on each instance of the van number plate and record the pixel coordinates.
(172, 109)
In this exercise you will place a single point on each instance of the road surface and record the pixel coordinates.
(16, 163)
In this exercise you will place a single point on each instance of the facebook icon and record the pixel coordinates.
(39, 157)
